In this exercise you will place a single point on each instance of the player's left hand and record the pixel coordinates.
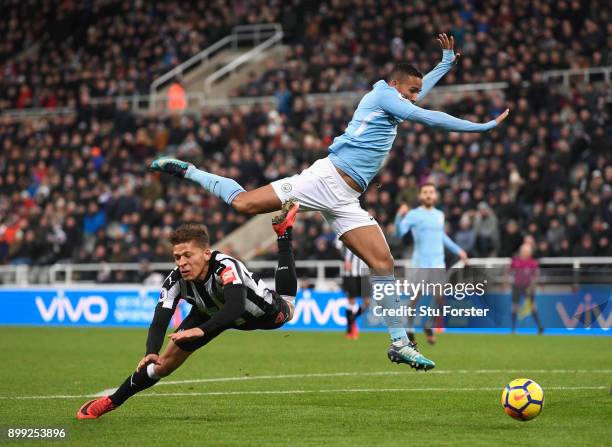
(447, 43)
(188, 335)
(463, 256)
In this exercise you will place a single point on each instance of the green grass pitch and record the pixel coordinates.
(315, 389)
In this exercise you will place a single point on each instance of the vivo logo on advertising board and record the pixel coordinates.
(92, 308)
(587, 313)
(312, 312)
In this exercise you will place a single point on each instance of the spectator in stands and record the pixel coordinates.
(466, 237)
(487, 231)
(511, 239)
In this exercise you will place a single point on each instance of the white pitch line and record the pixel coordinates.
(340, 390)
(109, 391)
(320, 375)
(383, 373)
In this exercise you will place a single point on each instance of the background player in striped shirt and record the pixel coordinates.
(426, 224)
(352, 279)
(223, 293)
(332, 185)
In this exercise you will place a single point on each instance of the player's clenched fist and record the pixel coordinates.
(149, 358)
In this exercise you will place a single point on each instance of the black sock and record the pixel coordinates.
(534, 314)
(286, 277)
(513, 321)
(286, 236)
(350, 320)
(359, 311)
(138, 381)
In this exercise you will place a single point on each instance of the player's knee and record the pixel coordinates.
(291, 311)
(244, 205)
(382, 265)
(165, 367)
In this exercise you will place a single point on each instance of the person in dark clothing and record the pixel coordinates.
(224, 295)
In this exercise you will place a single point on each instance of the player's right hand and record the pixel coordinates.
(447, 43)
(149, 358)
(502, 117)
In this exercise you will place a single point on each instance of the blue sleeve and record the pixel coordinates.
(403, 109)
(402, 225)
(451, 245)
(432, 78)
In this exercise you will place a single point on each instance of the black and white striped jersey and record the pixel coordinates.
(207, 296)
(353, 265)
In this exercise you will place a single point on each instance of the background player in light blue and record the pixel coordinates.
(332, 185)
(426, 224)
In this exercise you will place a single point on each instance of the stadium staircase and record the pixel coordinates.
(216, 70)
(212, 74)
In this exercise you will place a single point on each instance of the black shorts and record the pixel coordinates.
(352, 286)
(519, 291)
(273, 320)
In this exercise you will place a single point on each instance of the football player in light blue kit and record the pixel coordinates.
(333, 184)
(426, 224)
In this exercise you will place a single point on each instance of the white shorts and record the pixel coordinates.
(321, 188)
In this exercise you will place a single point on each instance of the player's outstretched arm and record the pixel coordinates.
(448, 60)
(234, 307)
(169, 298)
(157, 330)
(235, 304)
(397, 105)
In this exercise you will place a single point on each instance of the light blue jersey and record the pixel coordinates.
(427, 228)
(361, 150)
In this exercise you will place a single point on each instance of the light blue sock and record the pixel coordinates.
(395, 325)
(224, 188)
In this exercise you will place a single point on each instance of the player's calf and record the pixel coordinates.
(285, 278)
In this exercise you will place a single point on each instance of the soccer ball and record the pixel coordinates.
(522, 399)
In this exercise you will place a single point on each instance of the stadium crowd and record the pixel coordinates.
(503, 40)
(76, 188)
(108, 47)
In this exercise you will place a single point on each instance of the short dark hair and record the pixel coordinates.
(403, 70)
(195, 232)
(427, 184)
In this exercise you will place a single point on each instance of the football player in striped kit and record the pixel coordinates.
(223, 293)
(354, 274)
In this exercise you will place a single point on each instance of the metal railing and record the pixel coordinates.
(319, 271)
(584, 74)
(247, 57)
(268, 32)
(143, 103)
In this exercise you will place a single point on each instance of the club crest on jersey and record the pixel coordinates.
(228, 276)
